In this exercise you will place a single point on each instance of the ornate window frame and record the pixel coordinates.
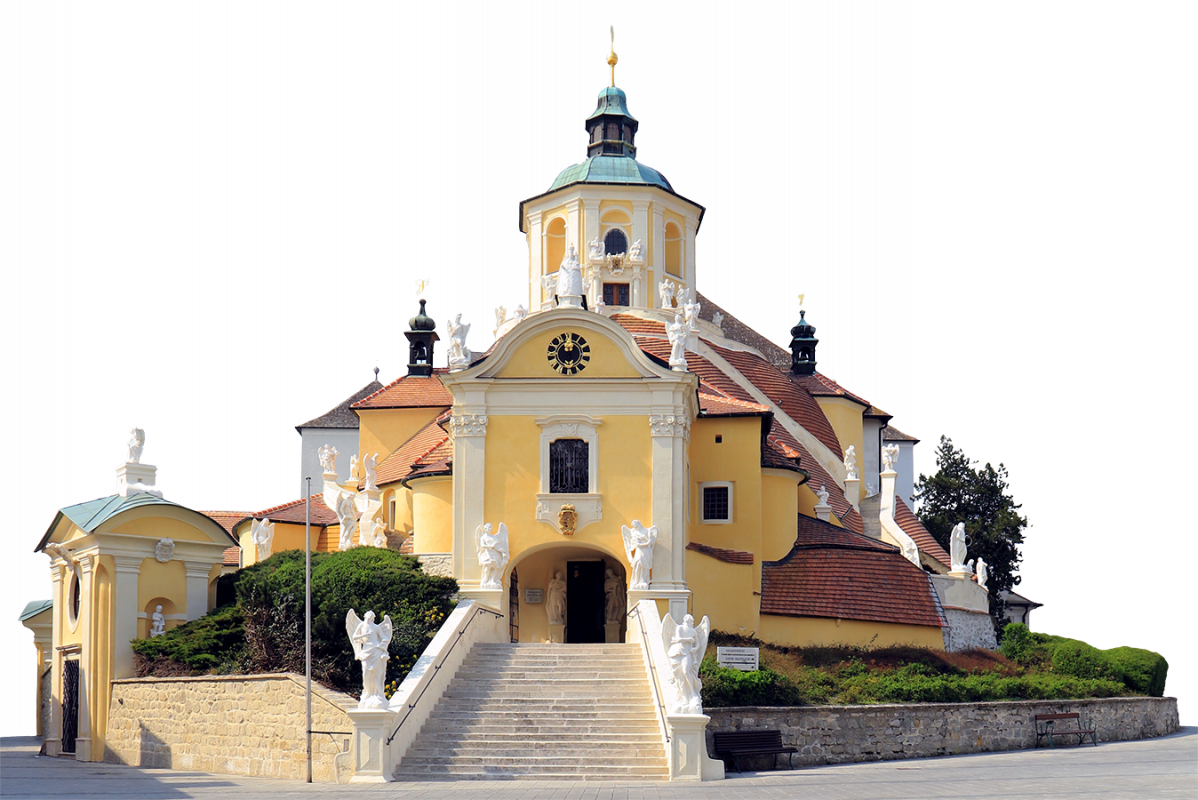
(731, 507)
(588, 506)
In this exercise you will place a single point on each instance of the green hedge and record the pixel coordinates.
(208, 643)
(732, 687)
(1140, 671)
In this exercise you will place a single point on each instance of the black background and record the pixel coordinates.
(218, 243)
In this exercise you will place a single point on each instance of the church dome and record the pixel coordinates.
(611, 169)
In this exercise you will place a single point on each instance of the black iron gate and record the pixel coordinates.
(513, 607)
(70, 705)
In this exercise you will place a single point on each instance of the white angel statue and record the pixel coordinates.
(520, 313)
(636, 251)
(983, 573)
(370, 641)
(459, 353)
(595, 250)
(850, 462)
(685, 645)
(956, 548)
(262, 534)
(823, 495)
(372, 532)
(371, 464)
(328, 459)
(676, 332)
(890, 454)
(690, 312)
(347, 518)
(136, 444)
(638, 545)
(492, 555)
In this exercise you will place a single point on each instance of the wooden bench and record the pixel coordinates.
(1046, 728)
(737, 744)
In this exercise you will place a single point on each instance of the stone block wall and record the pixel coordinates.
(967, 630)
(234, 724)
(845, 734)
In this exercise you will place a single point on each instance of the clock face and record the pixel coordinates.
(569, 353)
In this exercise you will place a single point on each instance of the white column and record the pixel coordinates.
(469, 433)
(125, 609)
(83, 743)
(657, 256)
(691, 229)
(669, 433)
(536, 266)
(54, 734)
(640, 230)
(574, 226)
(592, 227)
(197, 588)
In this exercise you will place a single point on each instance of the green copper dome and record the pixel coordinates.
(612, 100)
(611, 169)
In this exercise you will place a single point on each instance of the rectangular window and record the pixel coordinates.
(568, 464)
(715, 502)
(615, 294)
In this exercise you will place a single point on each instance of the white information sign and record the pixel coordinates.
(534, 596)
(742, 658)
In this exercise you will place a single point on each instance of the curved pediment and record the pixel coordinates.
(566, 344)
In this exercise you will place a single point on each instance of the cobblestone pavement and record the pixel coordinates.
(1155, 768)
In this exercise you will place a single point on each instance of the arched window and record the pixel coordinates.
(674, 245)
(615, 242)
(613, 130)
(555, 244)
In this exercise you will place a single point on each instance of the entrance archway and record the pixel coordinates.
(585, 572)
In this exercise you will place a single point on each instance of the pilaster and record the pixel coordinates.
(691, 229)
(53, 742)
(469, 432)
(574, 225)
(87, 650)
(197, 588)
(658, 255)
(128, 569)
(669, 433)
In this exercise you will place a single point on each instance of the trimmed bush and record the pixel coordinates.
(202, 645)
(1144, 671)
(732, 687)
(1141, 671)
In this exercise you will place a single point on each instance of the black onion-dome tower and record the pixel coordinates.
(420, 343)
(802, 347)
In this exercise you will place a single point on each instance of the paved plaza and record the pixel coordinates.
(1155, 768)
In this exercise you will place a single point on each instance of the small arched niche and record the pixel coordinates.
(169, 610)
(674, 249)
(555, 244)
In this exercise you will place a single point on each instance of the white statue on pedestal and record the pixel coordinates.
(459, 353)
(355, 468)
(370, 641)
(956, 548)
(262, 534)
(328, 459)
(685, 645)
(555, 600)
(548, 285)
(690, 312)
(371, 464)
(718, 319)
(638, 545)
(569, 275)
(372, 531)
(983, 573)
(347, 518)
(666, 291)
(492, 555)
(676, 332)
(850, 462)
(890, 454)
(135, 445)
(595, 250)
(635, 253)
(822, 494)
(157, 622)
(520, 313)
(500, 318)
(613, 589)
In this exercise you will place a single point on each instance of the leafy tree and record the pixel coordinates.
(962, 492)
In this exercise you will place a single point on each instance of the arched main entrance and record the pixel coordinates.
(584, 570)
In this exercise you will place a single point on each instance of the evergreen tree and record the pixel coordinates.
(960, 492)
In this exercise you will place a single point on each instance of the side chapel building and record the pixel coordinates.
(570, 426)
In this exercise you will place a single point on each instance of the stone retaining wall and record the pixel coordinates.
(843, 734)
(968, 630)
(235, 724)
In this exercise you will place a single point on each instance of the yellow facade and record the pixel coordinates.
(821, 631)
(382, 430)
(432, 515)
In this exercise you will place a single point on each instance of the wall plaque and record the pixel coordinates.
(742, 658)
(533, 596)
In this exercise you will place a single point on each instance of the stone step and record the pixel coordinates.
(486, 667)
(651, 736)
(519, 647)
(580, 695)
(565, 773)
(526, 724)
(619, 753)
(527, 762)
(529, 706)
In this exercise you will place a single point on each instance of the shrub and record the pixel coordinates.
(732, 687)
(204, 644)
(1071, 657)
(1144, 671)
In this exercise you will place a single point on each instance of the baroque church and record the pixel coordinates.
(623, 439)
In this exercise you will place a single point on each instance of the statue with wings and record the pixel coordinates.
(370, 641)
(492, 554)
(638, 545)
(685, 645)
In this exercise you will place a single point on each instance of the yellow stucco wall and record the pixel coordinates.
(779, 514)
(161, 527)
(737, 459)
(288, 536)
(724, 592)
(845, 416)
(381, 430)
(164, 584)
(432, 515)
(810, 631)
(531, 360)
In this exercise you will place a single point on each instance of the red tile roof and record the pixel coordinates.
(408, 545)
(840, 575)
(410, 391)
(322, 515)
(722, 554)
(226, 519)
(911, 526)
(711, 405)
(738, 331)
(639, 327)
(823, 386)
(232, 557)
(437, 461)
(775, 384)
(399, 464)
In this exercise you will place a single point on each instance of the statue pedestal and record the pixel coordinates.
(962, 574)
(371, 756)
(491, 598)
(688, 749)
(677, 599)
(557, 633)
(611, 632)
(569, 301)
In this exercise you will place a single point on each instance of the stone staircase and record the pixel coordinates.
(544, 712)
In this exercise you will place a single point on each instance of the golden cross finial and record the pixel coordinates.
(801, 300)
(421, 285)
(612, 59)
